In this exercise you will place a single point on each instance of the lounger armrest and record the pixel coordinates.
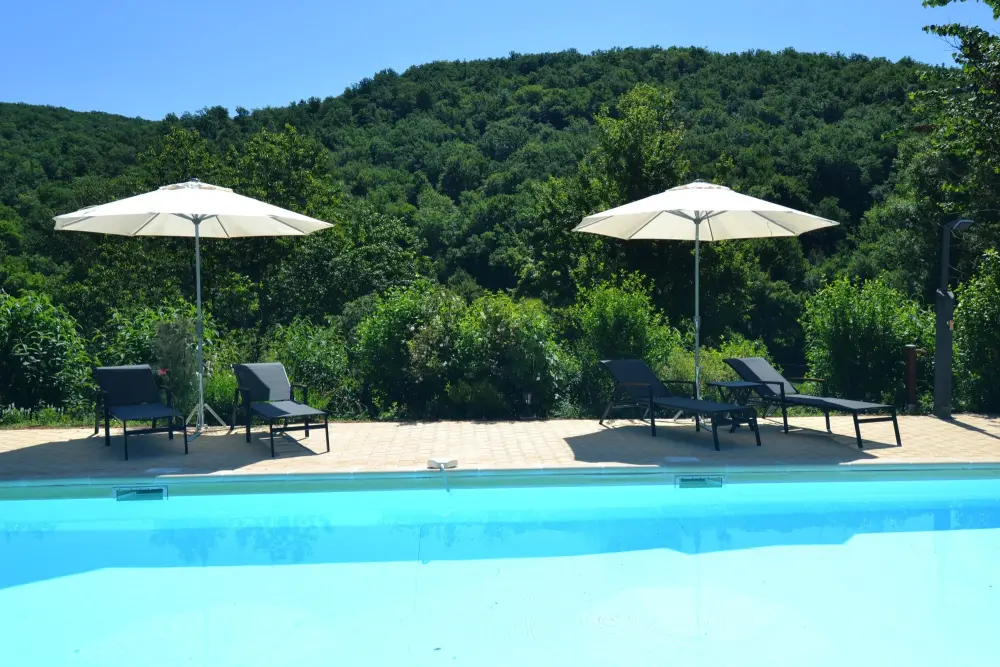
(686, 383)
(305, 392)
(779, 385)
(244, 395)
(638, 384)
(820, 381)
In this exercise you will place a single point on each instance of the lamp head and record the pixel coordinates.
(960, 224)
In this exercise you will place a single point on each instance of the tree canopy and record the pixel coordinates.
(471, 175)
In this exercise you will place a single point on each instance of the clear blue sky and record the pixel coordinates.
(145, 58)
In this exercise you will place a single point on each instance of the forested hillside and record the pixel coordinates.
(469, 175)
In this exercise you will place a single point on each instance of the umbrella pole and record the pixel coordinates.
(199, 410)
(197, 289)
(697, 309)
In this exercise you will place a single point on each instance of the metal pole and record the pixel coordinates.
(944, 314)
(697, 308)
(945, 257)
(201, 368)
(911, 378)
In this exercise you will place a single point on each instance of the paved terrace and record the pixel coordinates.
(370, 447)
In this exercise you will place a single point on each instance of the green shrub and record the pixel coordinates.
(508, 362)
(220, 392)
(43, 358)
(11, 417)
(977, 337)
(615, 321)
(855, 337)
(175, 350)
(128, 337)
(316, 356)
(620, 322)
(403, 349)
(680, 365)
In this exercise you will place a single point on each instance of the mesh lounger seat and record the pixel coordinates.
(636, 382)
(129, 393)
(776, 390)
(264, 390)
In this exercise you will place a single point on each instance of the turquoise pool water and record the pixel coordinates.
(901, 573)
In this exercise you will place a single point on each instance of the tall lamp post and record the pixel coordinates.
(944, 324)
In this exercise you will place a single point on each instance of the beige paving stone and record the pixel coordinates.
(361, 447)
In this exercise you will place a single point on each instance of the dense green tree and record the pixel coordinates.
(977, 337)
(474, 173)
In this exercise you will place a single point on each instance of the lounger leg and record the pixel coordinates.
(125, 433)
(107, 428)
(326, 428)
(270, 428)
(895, 427)
(697, 424)
(232, 421)
(170, 428)
(756, 429)
(185, 427)
(652, 420)
(307, 426)
(784, 416)
(246, 412)
(857, 429)
(826, 413)
(97, 419)
(604, 415)
(154, 423)
(715, 433)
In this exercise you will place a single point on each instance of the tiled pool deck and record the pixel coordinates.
(41, 454)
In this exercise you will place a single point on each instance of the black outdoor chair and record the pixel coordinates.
(264, 390)
(775, 390)
(638, 384)
(129, 393)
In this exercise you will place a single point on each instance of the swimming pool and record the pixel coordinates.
(860, 573)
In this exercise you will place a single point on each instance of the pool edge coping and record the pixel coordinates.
(225, 484)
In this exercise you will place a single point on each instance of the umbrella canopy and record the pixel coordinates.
(695, 212)
(192, 209)
(173, 209)
(710, 212)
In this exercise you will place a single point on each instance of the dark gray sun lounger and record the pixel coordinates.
(264, 390)
(776, 390)
(638, 385)
(129, 393)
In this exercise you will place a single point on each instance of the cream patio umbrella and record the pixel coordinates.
(191, 209)
(696, 212)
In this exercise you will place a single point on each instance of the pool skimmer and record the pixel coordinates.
(130, 493)
(699, 481)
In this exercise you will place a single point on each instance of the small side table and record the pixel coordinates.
(737, 392)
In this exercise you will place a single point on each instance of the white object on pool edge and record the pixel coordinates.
(436, 464)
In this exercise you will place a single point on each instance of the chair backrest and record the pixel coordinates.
(127, 385)
(756, 369)
(636, 370)
(264, 382)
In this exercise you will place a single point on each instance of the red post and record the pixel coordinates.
(911, 379)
